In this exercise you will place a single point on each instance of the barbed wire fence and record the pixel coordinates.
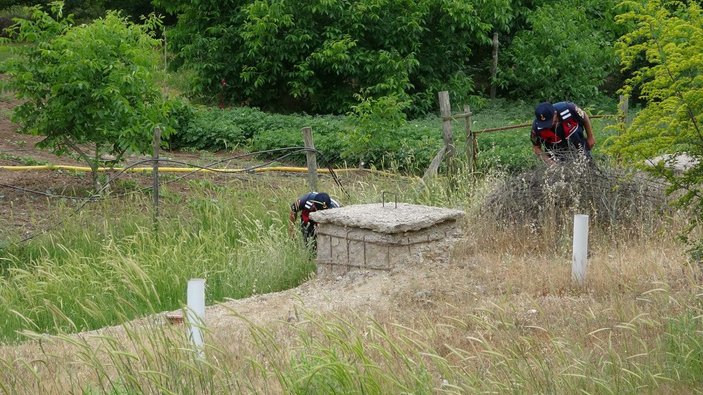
(101, 195)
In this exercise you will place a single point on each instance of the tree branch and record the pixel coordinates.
(79, 151)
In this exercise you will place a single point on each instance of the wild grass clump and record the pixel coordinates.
(486, 346)
(545, 199)
(343, 355)
(149, 358)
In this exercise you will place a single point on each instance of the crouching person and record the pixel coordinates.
(306, 204)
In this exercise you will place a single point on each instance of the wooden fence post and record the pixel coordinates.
(446, 111)
(471, 144)
(622, 110)
(494, 66)
(311, 158)
(155, 173)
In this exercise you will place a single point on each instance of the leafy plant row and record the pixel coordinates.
(375, 135)
(370, 137)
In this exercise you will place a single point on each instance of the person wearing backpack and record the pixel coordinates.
(564, 130)
(306, 204)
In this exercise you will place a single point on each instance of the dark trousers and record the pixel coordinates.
(308, 229)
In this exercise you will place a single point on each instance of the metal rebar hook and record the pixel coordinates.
(383, 197)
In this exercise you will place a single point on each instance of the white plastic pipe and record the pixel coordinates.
(580, 257)
(196, 312)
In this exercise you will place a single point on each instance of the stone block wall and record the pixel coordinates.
(343, 248)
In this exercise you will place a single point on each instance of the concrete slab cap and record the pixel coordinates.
(387, 218)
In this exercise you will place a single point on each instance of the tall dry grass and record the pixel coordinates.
(501, 316)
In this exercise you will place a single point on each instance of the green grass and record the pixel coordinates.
(61, 282)
(684, 347)
(5, 52)
(109, 254)
(22, 160)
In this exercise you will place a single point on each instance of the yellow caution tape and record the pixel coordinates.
(187, 169)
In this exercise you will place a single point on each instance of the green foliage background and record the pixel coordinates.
(88, 10)
(326, 56)
(563, 52)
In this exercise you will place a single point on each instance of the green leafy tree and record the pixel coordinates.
(664, 51)
(564, 50)
(86, 87)
(318, 55)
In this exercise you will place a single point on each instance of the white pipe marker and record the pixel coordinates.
(580, 257)
(196, 312)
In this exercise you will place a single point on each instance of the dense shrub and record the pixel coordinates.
(8, 15)
(665, 55)
(548, 197)
(5, 22)
(211, 129)
(85, 11)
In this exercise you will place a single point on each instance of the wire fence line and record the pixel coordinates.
(196, 168)
(527, 125)
(192, 168)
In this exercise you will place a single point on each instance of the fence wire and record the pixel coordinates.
(100, 195)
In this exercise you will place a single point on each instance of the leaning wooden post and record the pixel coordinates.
(311, 158)
(434, 165)
(470, 139)
(155, 173)
(494, 66)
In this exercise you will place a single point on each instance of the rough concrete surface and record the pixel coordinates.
(387, 218)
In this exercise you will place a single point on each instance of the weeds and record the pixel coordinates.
(500, 316)
(57, 283)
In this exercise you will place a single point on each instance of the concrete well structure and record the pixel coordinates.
(380, 236)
